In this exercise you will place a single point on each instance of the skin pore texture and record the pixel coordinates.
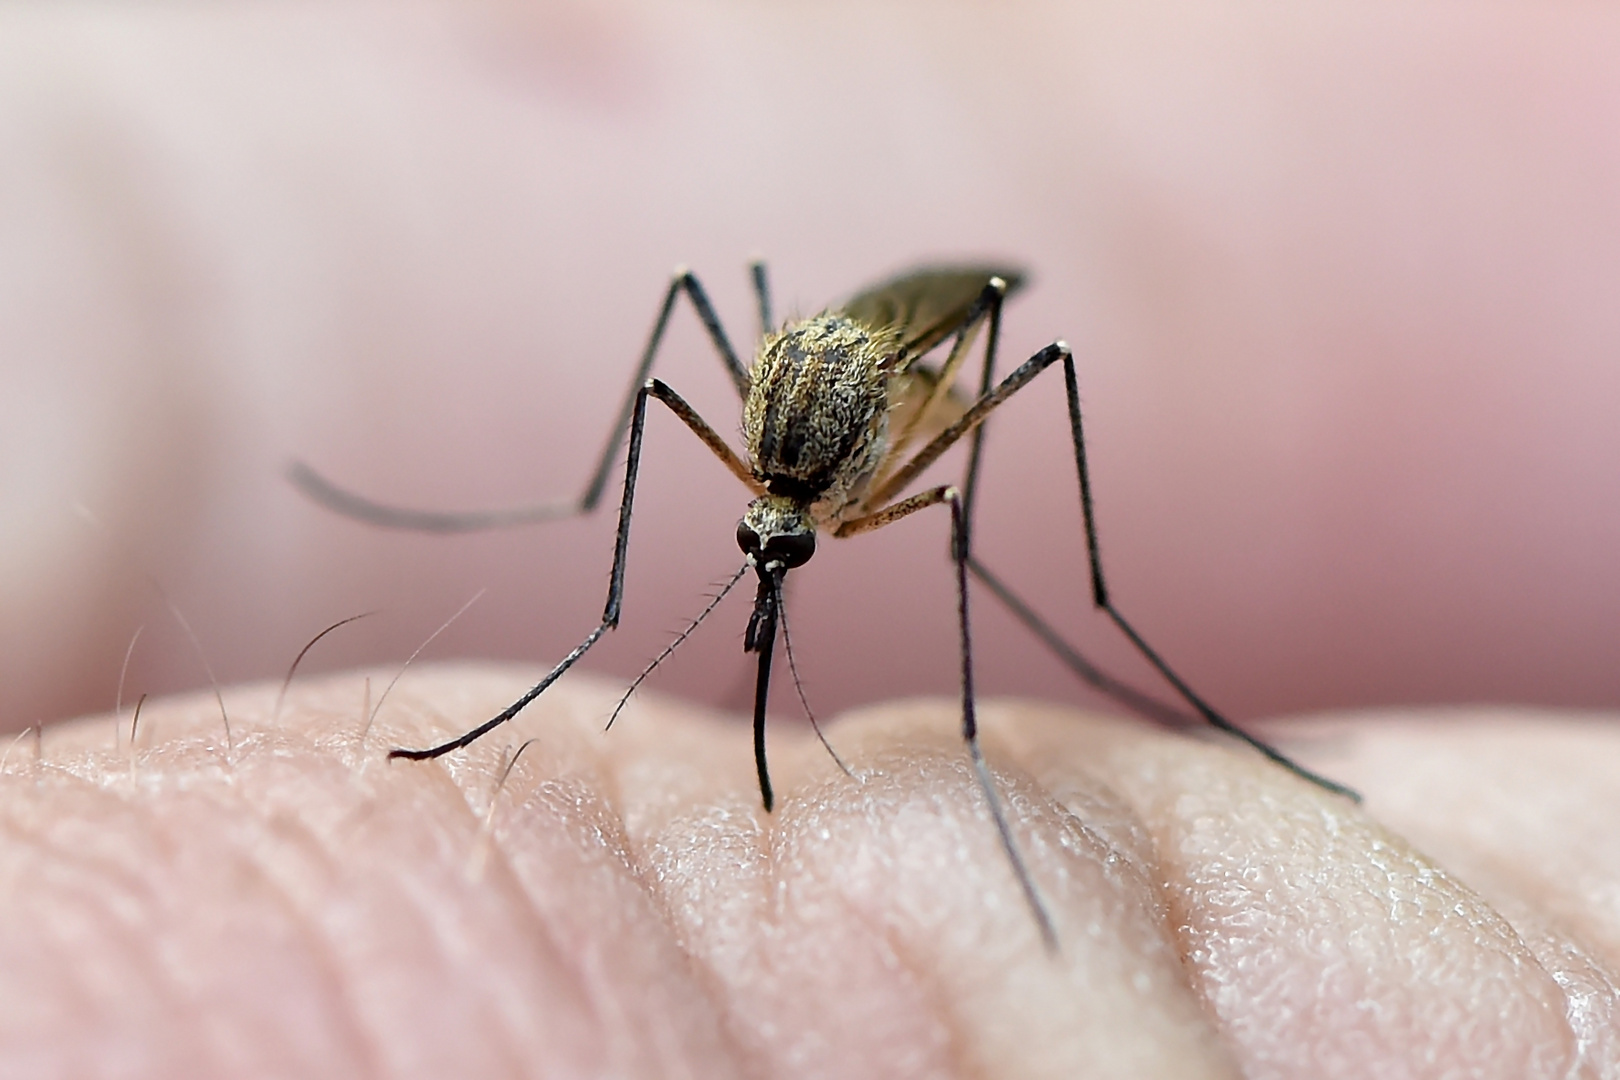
(1340, 281)
(298, 905)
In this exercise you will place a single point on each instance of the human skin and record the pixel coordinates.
(291, 902)
(1342, 285)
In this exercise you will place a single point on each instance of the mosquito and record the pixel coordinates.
(832, 407)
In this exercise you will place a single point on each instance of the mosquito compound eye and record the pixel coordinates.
(791, 549)
(747, 539)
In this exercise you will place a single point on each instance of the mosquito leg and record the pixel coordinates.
(970, 731)
(960, 555)
(1070, 657)
(1067, 654)
(762, 293)
(653, 388)
(970, 479)
(1099, 595)
(353, 505)
(1099, 590)
(983, 407)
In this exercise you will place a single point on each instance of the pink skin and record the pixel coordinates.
(1342, 287)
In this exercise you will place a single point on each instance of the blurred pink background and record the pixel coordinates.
(1343, 281)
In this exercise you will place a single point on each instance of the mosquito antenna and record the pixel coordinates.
(174, 610)
(714, 602)
(372, 713)
(118, 698)
(486, 828)
(798, 686)
(282, 695)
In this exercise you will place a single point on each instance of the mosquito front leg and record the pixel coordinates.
(353, 505)
(653, 388)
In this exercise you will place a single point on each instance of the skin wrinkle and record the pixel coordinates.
(806, 920)
(588, 833)
(102, 868)
(1594, 1004)
(542, 917)
(451, 948)
(639, 866)
(322, 948)
(183, 981)
(1591, 994)
(558, 949)
(366, 1033)
(935, 1003)
(254, 781)
(464, 796)
(1133, 868)
(690, 935)
(888, 914)
(1219, 950)
(893, 951)
(1182, 789)
(368, 1044)
(1130, 856)
(964, 807)
(1559, 774)
(50, 868)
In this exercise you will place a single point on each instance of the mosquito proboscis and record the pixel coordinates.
(832, 406)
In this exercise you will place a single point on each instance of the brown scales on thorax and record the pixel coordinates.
(815, 424)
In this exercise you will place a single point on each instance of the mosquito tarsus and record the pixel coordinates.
(832, 405)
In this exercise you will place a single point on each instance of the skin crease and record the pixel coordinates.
(1342, 281)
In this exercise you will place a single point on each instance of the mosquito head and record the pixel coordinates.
(776, 532)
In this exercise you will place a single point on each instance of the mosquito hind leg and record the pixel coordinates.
(972, 419)
(1125, 694)
(353, 505)
(989, 308)
(1100, 597)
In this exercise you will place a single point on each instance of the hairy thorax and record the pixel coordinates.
(817, 415)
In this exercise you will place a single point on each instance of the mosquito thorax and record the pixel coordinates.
(816, 420)
(778, 530)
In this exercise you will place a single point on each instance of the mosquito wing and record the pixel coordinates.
(926, 305)
(919, 408)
